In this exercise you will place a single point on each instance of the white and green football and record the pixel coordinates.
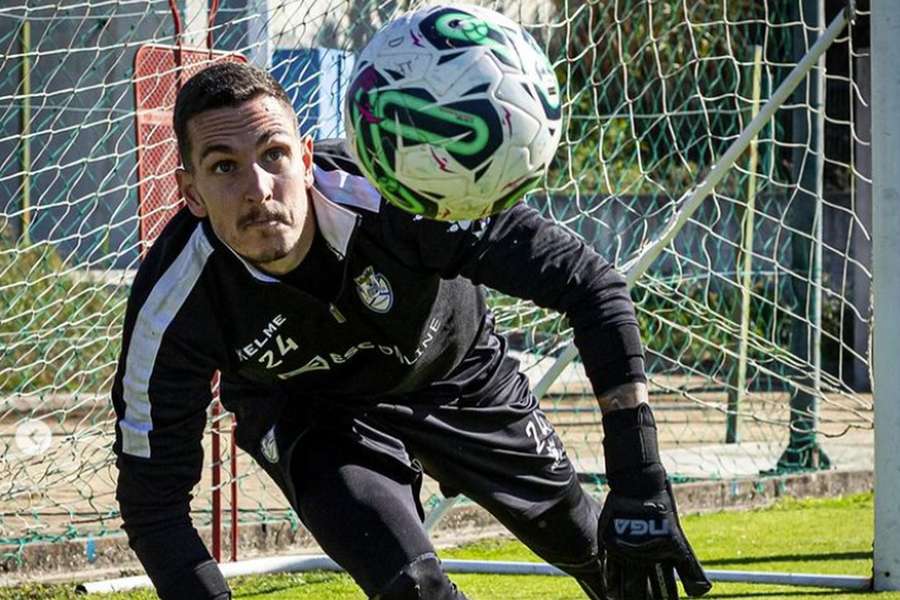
(453, 112)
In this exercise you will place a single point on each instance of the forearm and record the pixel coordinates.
(154, 502)
(178, 563)
(639, 525)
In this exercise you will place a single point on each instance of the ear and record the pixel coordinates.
(306, 143)
(193, 200)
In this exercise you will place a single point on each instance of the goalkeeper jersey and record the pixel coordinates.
(392, 307)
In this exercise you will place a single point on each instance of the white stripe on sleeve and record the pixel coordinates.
(155, 316)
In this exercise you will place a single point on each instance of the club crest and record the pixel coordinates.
(374, 290)
(269, 446)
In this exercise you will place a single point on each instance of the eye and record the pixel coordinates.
(223, 167)
(275, 154)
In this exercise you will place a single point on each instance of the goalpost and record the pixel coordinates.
(721, 153)
(886, 281)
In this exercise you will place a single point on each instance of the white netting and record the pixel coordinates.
(654, 93)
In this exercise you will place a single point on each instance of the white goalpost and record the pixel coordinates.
(886, 283)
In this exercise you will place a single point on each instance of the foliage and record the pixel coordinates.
(58, 329)
(689, 322)
(655, 92)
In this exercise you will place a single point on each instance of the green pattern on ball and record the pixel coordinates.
(443, 113)
(512, 198)
(375, 160)
(474, 30)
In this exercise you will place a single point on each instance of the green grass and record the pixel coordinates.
(818, 536)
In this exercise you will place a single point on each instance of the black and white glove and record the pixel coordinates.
(639, 525)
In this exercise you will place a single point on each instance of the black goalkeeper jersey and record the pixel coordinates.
(392, 307)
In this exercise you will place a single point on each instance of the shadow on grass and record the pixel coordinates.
(749, 560)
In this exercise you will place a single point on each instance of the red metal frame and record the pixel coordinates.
(234, 493)
(216, 477)
(157, 75)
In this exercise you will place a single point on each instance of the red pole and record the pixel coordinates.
(176, 21)
(234, 494)
(216, 473)
(211, 21)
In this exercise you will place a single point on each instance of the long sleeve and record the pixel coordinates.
(526, 256)
(154, 490)
(160, 395)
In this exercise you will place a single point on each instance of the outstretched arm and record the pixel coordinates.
(523, 255)
(526, 256)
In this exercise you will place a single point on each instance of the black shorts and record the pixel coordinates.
(352, 472)
(494, 445)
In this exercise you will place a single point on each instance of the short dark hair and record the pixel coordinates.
(224, 84)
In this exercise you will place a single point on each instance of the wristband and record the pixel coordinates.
(631, 452)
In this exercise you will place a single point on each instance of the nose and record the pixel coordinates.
(258, 186)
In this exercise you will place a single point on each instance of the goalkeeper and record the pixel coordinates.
(357, 353)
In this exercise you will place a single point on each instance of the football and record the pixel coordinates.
(453, 112)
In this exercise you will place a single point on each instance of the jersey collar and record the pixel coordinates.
(336, 223)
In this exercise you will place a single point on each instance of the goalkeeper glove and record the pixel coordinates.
(639, 524)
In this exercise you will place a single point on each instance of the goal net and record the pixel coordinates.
(756, 311)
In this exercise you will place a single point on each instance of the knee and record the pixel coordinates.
(422, 579)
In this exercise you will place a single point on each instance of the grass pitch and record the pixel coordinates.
(815, 536)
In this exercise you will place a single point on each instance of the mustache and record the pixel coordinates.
(258, 215)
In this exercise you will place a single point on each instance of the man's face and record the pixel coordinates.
(250, 173)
